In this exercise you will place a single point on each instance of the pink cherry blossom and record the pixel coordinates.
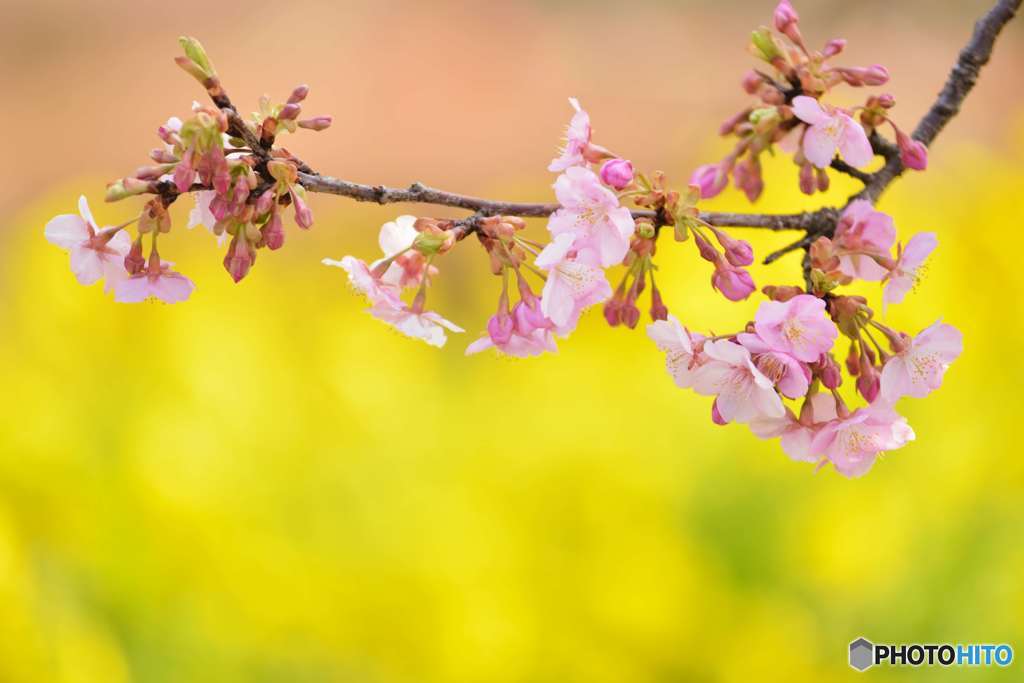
(904, 276)
(155, 281)
(408, 267)
(853, 443)
(797, 327)
(676, 342)
(829, 130)
(575, 281)
(95, 254)
(577, 137)
(918, 369)
(741, 391)
(863, 232)
(366, 283)
(795, 435)
(426, 325)
(591, 213)
(790, 376)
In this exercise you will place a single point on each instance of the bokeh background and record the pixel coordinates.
(264, 484)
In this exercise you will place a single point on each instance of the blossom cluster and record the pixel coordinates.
(591, 232)
(791, 114)
(782, 373)
(239, 192)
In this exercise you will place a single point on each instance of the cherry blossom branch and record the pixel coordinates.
(417, 193)
(961, 80)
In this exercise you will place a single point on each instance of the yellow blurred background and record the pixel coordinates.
(264, 484)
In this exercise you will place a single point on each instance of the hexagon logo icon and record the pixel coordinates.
(862, 654)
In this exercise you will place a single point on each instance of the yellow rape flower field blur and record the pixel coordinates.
(264, 484)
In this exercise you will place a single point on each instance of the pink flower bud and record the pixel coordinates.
(630, 316)
(886, 101)
(239, 258)
(529, 318)
(869, 383)
(184, 173)
(747, 176)
(735, 284)
(303, 214)
(298, 94)
(659, 311)
(317, 123)
(134, 262)
(821, 178)
(265, 202)
(617, 173)
(613, 311)
(831, 377)
(290, 112)
(752, 82)
(833, 47)
(711, 179)
(784, 15)
(500, 328)
(807, 179)
(737, 252)
(707, 251)
(913, 153)
(875, 74)
(273, 232)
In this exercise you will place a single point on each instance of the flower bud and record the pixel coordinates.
(659, 311)
(317, 123)
(303, 214)
(298, 94)
(630, 316)
(290, 112)
(197, 55)
(869, 383)
(764, 45)
(613, 310)
(273, 232)
(617, 173)
(833, 48)
(913, 153)
(240, 257)
(808, 181)
(711, 179)
(831, 376)
(752, 82)
(737, 252)
(735, 284)
(125, 187)
(785, 17)
(500, 328)
(876, 74)
(886, 101)
(707, 251)
(134, 261)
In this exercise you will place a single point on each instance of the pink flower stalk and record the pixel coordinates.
(918, 369)
(861, 235)
(617, 173)
(577, 137)
(676, 342)
(711, 179)
(426, 325)
(591, 214)
(909, 260)
(575, 281)
(798, 327)
(829, 130)
(852, 444)
(741, 391)
(795, 435)
(789, 375)
(156, 281)
(95, 254)
(734, 283)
